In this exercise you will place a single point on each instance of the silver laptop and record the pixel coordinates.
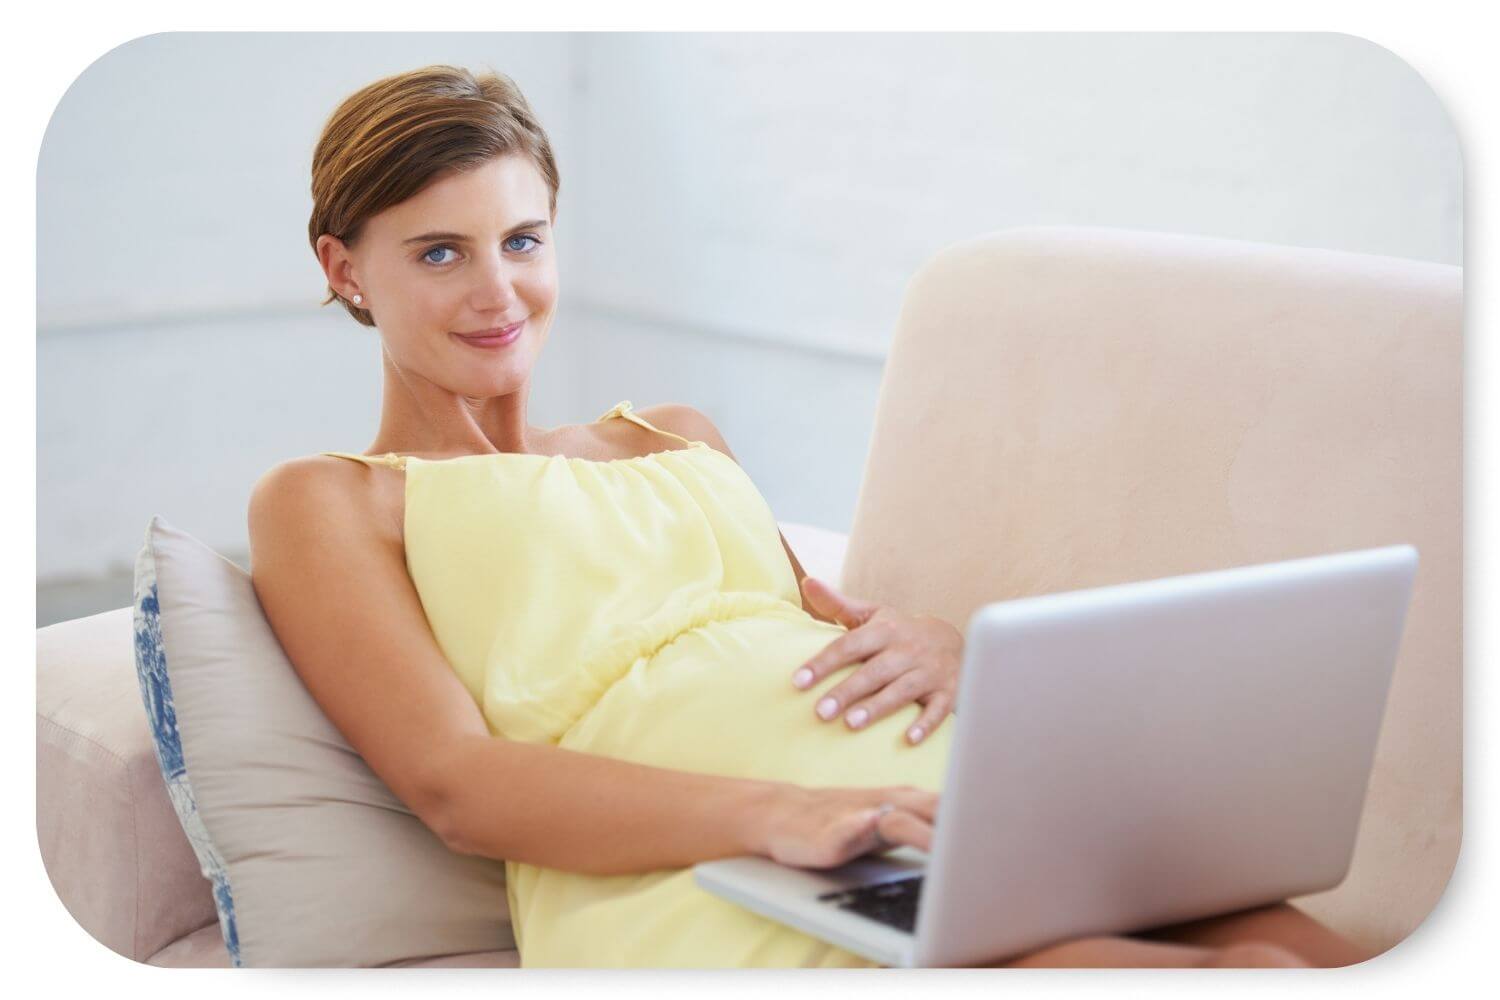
(1128, 757)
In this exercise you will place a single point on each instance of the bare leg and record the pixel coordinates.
(1132, 953)
(1279, 935)
(1279, 924)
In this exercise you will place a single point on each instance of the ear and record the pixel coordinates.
(337, 265)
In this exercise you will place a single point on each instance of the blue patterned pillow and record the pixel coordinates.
(156, 693)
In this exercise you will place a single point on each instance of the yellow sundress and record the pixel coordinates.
(643, 609)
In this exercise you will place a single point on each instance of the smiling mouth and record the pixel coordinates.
(493, 338)
(498, 331)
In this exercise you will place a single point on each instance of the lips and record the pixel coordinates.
(493, 332)
(497, 337)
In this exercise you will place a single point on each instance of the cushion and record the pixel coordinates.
(312, 859)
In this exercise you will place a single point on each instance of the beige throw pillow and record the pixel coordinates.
(313, 860)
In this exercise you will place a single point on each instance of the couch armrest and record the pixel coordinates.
(109, 838)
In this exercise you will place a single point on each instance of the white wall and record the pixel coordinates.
(738, 217)
(181, 349)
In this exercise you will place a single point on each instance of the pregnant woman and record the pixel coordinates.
(587, 650)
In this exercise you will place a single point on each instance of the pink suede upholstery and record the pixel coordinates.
(110, 840)
(1066, 408)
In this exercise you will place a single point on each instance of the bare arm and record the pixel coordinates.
(332, 580)
(582, 812)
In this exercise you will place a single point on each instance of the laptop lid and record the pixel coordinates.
(1137, 755)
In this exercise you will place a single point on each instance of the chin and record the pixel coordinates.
(468, 384)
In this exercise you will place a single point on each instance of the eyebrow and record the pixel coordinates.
(460, 237)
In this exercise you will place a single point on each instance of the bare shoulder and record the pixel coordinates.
(300, 484)
(690, 422)
(317, 493)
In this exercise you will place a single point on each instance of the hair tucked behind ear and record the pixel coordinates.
(390, 139)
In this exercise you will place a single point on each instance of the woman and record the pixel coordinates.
(585, 649)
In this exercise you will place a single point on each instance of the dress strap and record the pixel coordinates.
(389, 459)
(623, 409)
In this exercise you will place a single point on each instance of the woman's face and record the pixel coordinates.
(471, 252)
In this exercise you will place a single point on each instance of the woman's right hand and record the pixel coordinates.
(826, 827)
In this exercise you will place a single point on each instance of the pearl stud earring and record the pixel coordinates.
(358, 299)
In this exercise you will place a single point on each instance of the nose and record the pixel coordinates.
(494, 290)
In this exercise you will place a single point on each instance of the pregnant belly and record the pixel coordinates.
(719, 700)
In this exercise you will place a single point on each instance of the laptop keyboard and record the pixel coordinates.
(893, 903)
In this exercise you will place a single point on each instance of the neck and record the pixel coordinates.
(418, 417)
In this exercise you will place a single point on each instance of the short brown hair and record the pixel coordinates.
(390, 139)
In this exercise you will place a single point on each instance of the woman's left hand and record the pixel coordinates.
(906, 659)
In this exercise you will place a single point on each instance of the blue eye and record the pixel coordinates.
(509, 245)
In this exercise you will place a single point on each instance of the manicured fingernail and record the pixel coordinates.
(802, 677)
(828, 708)
(857, 717)
(914, 734)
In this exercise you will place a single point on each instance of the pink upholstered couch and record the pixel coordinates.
(1061, 408)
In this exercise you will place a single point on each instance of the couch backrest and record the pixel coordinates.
(1065, 408)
